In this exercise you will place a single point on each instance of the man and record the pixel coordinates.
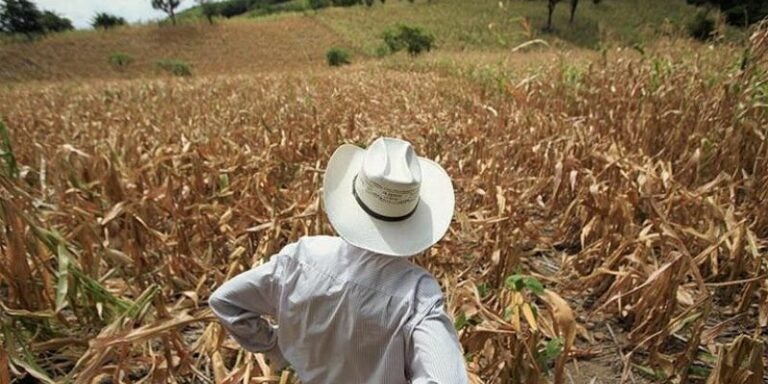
(352, 309)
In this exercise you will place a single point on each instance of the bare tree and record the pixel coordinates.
(167, 6)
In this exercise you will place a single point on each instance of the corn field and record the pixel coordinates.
(613, 214)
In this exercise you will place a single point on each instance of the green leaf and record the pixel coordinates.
(62, 276)
(98, 293)
(507, 314)
(533, 285)
(6, 153)
(141, 303)
(461, 321)
(551, 351)
(17, 345)
(700, 372)
(223, 181)
(650, 373)
(482, 289)
(514, 282)
(33, 369)
(517, 282)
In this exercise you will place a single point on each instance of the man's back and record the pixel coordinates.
(348, 315)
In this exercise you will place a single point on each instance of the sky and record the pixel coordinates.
(81, 11)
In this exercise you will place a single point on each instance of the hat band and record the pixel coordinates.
(375, 215)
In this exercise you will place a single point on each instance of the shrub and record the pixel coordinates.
(345, 3)
(209, 10)
(268, 8)
(701, 27)
(52, 22)
(749, 12)
(174, 67)
(413, 39)
(337, 57)
(382, 50)
(738, 12)
(234, 8)
(318, 4)
(120, 60)
(106, 21)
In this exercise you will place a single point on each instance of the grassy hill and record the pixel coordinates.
(298, 40)
(466, 25)
(460, 24)
(236, 46)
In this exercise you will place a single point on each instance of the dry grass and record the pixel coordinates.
(633, 190)
(233, 47)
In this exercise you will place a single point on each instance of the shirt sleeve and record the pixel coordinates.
(240, 304)
(436, 356)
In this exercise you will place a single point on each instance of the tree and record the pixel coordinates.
(345, 3)
(574, 4)
(413, 39)
(51, 22)
(106, 21)
(737, 12)
(551, 7)
(209, 9)
(317, 4)
(20, 16)
(234, 8)
(167, 6)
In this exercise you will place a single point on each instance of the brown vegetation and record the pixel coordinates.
(633, 190)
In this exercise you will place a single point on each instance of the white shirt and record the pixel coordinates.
(345, 316)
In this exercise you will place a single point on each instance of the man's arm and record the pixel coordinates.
(240, 304)
(436, 356)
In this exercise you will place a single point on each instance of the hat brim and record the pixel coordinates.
(408, 237)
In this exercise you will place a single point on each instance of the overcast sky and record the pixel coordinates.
(81, 11)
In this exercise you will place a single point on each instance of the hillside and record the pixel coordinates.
(237, 46)
(291, 41)
(469, 25)
(495, 24)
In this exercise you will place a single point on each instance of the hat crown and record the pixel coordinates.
(392, 163)
(389, 180)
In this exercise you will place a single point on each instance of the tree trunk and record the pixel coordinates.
(173, 17)
(574, 4)
(551, 11)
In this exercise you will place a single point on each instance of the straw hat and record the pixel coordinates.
(386, 199)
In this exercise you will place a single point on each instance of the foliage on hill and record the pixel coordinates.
(105, 20)
(234, 8)
(471, 25)
(23, 17)
(738, 12)
(462, 25)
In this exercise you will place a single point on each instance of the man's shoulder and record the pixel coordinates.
(387, 274)
(313, 244)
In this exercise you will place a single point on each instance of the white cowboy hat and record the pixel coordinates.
(386, 199)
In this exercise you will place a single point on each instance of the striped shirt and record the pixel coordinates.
(344, 315)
